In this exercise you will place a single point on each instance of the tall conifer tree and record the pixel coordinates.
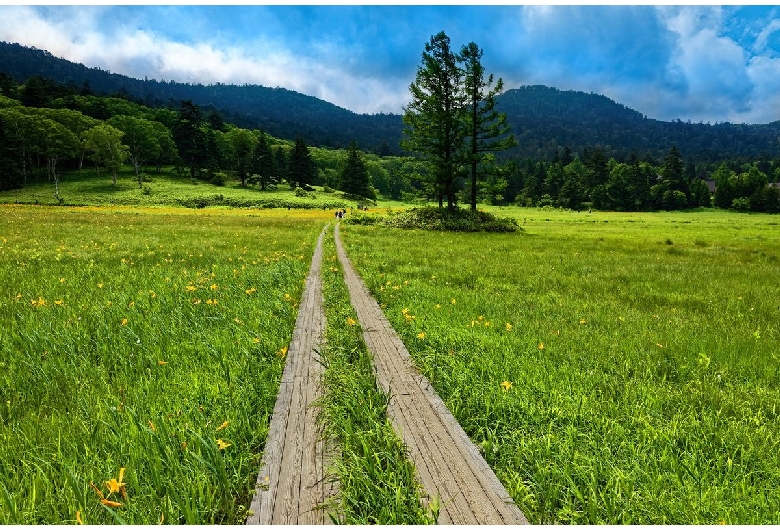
(434, 125)
(486, 127)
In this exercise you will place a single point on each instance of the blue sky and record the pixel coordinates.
(702, 63)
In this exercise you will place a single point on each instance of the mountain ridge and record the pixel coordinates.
(544, 119)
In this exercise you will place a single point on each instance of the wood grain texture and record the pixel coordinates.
(448, 464)
(292, 483)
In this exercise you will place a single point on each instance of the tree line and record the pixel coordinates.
(40, 142)
(41, 136)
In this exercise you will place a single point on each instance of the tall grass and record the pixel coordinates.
(376, 480)
(140, 356)
(614, 368)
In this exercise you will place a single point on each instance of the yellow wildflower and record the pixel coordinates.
(507, 385)
(541, 345)
(508, 326)
(452, 301)
(282, 352)
(100, 286)
(62, 280)
(191, 288)
(224, 424)
(58, 302)
(124, 321)
(421, 335)
(213, 287)
(351, 321)
(583, 321)
(250, 291)
(221, 444)
(114, 485)
(162, 362)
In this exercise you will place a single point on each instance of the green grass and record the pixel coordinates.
(376, 479)
(641, 349)
(84, 187)
(135, 340)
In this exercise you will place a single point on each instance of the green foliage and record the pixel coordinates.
(449, 219)
(488, 130)
(301, 168)
(354, 178)
(434, 120)
(641, 378)
(106, 147)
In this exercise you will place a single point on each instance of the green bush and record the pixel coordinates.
(431, 218)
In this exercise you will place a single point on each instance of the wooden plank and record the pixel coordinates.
(290, 486)
(448, 464)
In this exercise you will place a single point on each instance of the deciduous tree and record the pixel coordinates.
(105, 144)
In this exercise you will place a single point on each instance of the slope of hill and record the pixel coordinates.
(280, 112)
(543, 119)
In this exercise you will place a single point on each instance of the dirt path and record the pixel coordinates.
(291, 484)
(448, 464)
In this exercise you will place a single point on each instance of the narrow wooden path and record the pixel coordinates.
(291, 485)
(449, 465)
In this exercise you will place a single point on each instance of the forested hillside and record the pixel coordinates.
(278, 111)
(543, 119)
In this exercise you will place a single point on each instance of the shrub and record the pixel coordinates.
(431, 218)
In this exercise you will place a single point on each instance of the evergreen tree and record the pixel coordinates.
(434, 124)
(486, 128)
(354, 177)
(263, 163)
(190, 138)
(301, 167)
(280, 163)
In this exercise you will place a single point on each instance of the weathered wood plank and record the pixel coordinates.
(291, 484)
(448, 464)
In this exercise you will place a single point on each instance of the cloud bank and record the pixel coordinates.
(701, 63)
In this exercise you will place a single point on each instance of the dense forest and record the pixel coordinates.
(50, 127)
(543, 119)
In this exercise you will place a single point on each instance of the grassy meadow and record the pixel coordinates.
(613, 368)
(140, 356)
(79, 188)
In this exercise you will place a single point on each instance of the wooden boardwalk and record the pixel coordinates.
(292, 482)
(448, 464)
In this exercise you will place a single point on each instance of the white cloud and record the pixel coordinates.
(138, 53)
